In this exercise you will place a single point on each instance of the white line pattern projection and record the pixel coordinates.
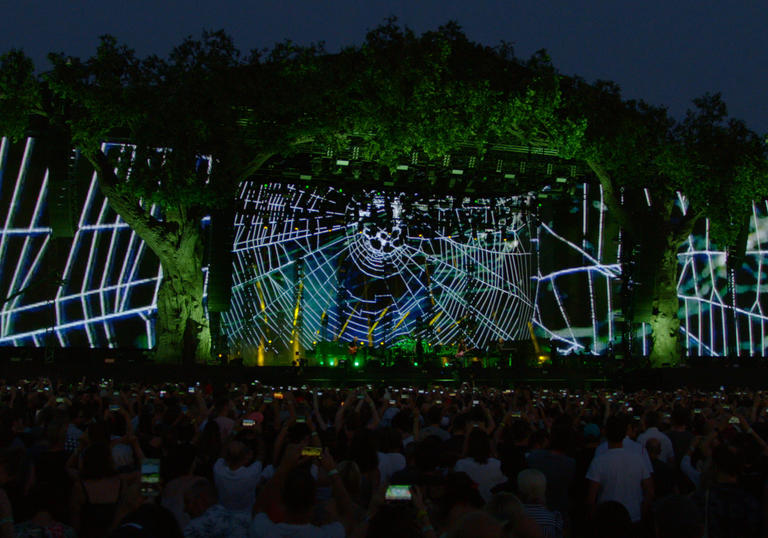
(100, 288)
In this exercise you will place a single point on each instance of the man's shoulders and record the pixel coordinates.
(617, 456)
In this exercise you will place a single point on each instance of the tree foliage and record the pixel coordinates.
(397, 93)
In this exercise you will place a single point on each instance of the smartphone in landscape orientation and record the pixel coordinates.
(150, 477)
(313, 451)
(191, 390)
(398, 493)
(114, 407)
(248, 423)
(278, 396)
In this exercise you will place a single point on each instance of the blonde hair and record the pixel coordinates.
(532, 485)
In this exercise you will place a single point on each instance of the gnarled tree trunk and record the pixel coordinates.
(182, 329)
(665, 322)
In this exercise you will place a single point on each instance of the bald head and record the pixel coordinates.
(653, 446)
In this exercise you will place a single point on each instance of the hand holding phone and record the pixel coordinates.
(312, 451)
(150, 477)
(398, 493)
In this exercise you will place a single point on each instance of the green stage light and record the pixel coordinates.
(415, 363)
(331, 362)
(357, 364)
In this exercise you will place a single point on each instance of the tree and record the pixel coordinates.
(171, 113)
(202, 120)
(717, 164)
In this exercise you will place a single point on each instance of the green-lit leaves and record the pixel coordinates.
(719, 164)
(19, 93)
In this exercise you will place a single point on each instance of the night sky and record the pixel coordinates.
(664, 52)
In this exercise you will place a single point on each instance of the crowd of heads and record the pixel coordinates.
(106, 458)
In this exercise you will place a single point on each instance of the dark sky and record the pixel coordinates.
(664, 51)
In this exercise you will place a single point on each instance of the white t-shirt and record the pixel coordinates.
(667, 450)
(485, 475)
(389, 464)
(237, 489)
(620, 472)
(262, 527)
(631, 446)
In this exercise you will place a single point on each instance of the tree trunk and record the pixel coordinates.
(182, 330)
(665, 322)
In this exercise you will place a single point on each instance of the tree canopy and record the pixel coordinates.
(197, 122)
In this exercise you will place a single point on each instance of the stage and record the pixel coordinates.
(133, 365)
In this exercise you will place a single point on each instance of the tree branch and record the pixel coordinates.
(139, 219)
(611, 198)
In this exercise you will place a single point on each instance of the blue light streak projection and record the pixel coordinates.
(706, 302)
(99, 289)
(578, 273)
(378, 267)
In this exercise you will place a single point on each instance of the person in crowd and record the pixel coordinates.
(729, 511)
(679, 433)
(98, 492)
(664, 482)
(178, 481)
(558, 468)
(620, 474)
(67, 441)
(477, 462)
(208, 518)
(236, 476)
(295, 486)
(652, 421)
(532, 485)
(434, 418)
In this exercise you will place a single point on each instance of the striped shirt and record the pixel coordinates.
(550, 523)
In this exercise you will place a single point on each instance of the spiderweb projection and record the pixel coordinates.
(366, 265)
(318, 264)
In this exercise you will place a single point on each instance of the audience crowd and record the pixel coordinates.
(101, 458)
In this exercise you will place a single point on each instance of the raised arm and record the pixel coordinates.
(316, 412)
